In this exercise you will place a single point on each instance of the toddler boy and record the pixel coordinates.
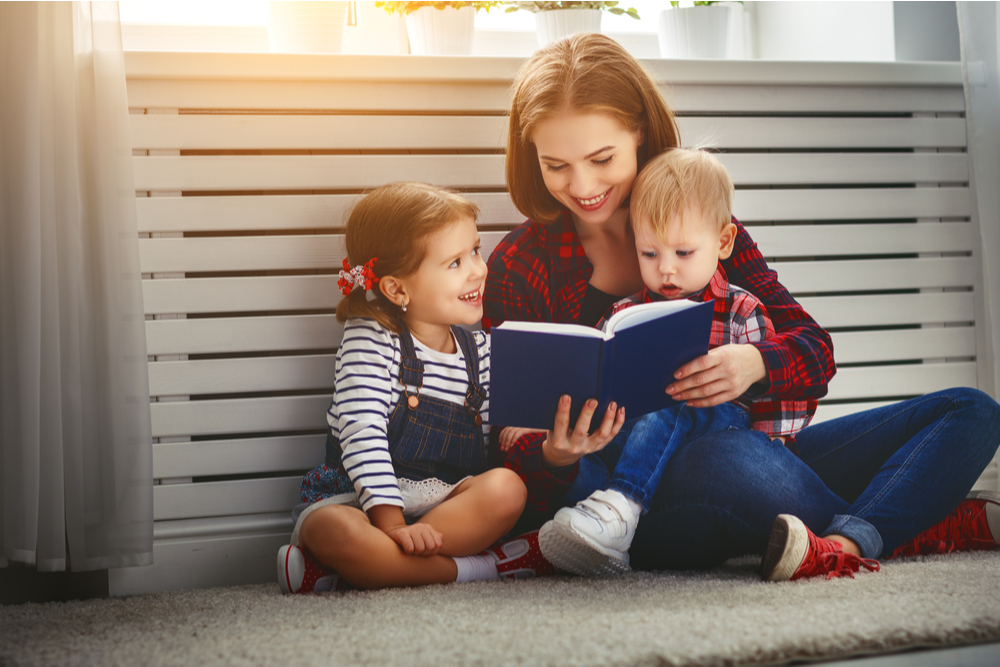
(681, 217)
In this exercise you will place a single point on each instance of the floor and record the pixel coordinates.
(979, 655)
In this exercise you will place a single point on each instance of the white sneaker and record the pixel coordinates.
(591, 538)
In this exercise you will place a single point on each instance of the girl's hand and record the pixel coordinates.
(722, 375)
(511, 434)
(563, 447)
(419, 539)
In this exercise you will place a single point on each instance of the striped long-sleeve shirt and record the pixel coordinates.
(368, 390)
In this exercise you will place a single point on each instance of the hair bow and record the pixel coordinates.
(361, 276)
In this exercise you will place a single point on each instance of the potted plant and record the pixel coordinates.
(439, 28)
(701, 31)
(555, 20)
(306, 27)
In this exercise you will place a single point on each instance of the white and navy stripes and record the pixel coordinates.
(368, 390)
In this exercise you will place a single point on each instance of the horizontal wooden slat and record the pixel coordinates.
(242, 334)
(240, 456)
(873, 275)
(903, 380)
(250, 496)
(903, 344)
(850, 204)
(330, 132)
(864, 239)
(272, 252)
(892, 309)
(312, 172)
(478, 97)
(493, 97)
(171, 530)
(728, 132)
(240, 295)
(178, 214)
(181, 214)
(253, 374)
(260, 374)
(253, 253)
(232, 416)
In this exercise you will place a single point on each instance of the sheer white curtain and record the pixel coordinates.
(979, 26)
(75, 469)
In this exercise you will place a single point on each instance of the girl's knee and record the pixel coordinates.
(329, 530)
(505, 490)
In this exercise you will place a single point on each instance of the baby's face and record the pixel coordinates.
(684, 262)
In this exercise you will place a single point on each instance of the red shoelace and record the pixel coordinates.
(829, 558)
(965, 529)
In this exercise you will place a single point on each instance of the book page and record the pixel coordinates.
(645, 312)
(554, 328)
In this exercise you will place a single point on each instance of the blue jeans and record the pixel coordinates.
(878, 477)
(633, 463)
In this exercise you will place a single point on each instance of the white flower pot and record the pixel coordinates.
(555, 24)
(695, 32)
(306, 27)
(441, 32)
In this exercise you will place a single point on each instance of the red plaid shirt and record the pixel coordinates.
(741, 318)
(540, 273)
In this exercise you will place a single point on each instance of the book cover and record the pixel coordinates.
(631, 362)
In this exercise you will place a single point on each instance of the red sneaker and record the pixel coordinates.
(793, 552)
(973, 526)
(520, 558)
(299, 572)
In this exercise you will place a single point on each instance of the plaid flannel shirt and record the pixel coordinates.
(739, 317)
(539, 273)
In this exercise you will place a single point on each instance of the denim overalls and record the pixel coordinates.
(428, 437)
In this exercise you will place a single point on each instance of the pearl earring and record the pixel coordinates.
(404, 306)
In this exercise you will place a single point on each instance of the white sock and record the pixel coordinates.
(632, 504)
(474, 568)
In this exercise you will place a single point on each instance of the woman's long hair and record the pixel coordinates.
(586, 72)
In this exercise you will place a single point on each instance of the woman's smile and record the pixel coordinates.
(593, 203)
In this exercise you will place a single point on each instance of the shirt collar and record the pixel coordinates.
(716, 287)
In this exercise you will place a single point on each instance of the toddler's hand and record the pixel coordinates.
(419, 539)
(511, 434)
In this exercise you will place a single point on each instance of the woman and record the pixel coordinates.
(584, 119)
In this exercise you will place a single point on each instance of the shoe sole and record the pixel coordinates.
(992, 499)
(570, 551)
(786, 549)
(284, 576)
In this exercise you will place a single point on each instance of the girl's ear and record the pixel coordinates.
(726, 241)
(393, 289)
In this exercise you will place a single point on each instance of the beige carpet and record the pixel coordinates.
(723, 617)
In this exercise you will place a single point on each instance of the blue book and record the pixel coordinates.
(631, 362)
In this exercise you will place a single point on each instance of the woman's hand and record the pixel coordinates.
(419, 539)
(563, 447)
(511, 434)
(722, 375)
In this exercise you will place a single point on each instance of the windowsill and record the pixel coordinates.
(343, 67)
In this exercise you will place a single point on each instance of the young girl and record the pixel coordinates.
(406, 496)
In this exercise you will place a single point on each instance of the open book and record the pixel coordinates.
(631, 362)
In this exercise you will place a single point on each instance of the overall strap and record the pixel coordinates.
(475, 396)
(411, 369)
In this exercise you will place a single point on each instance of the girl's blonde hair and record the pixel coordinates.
(586, 72)
(392, 223)
(676, 179)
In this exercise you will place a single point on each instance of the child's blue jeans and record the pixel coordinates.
(633, 463)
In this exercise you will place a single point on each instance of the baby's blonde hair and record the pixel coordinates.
(677, 179)
(392, 223)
